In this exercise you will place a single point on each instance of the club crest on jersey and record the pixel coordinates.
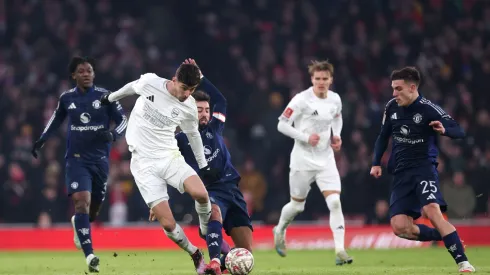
(404, 130)
(417, 118)
(74, 185)
(209, 135)
(96, 104)
(175, 112)
(85, 118)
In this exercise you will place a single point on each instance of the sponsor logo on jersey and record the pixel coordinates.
(85, 118)
(207, 150)
(408, 140)
(404, 130)
(213, 156)
(86, 128)
(156, 118)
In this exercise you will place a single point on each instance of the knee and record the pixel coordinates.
(215, 214)
(82, 206)
(333, 202)
(201, 196)
(298, 206)
(433, 212)
(168, 225)
(400, 229)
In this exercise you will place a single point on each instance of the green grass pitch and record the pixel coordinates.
(407, 261)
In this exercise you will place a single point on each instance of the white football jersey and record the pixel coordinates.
(311, 114)
(155, 117)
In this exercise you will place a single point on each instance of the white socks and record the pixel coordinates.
(289, 212)
(179, 237)
(204, 212)
(336, 221)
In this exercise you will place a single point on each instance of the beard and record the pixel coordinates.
(203, 122)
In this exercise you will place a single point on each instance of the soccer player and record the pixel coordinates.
(316, 114)
(229, 209)
(87, 148)
(414, 123)
(156, 161)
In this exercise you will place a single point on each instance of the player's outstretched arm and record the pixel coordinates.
(218, 101)
(54, 123)
(125, 91)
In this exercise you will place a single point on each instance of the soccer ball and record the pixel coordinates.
(239, 261)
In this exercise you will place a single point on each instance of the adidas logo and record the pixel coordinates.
(341, 227)
(86, 242)
(214, 244)
(72, 106)
(315, 113)
(431, 197)
(150, 98)
(393, 116)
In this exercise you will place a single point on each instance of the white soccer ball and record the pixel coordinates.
(239, 261)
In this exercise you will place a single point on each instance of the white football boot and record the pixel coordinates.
(76, 240)
(466, 267)
(343, 258)
(93, 263)
(279, 241)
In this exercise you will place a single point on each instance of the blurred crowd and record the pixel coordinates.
(256, 53)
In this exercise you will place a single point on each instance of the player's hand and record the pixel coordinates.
(209, 174)
(152, 216)
(105, 136)
(376, 171)
(36, 147)
(336, 143)
(193, 62)
(104, 99)
(438, 127)
(314, 139)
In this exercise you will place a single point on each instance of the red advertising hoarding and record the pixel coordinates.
(298, 237)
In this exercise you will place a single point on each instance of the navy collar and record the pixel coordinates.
(91, 89)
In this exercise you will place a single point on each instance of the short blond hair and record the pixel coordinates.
(320, 66)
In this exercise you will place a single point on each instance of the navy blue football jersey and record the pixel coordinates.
(217, 155)
(414, 142)
(86, 116)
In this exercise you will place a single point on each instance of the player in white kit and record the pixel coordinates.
(316, 114)
(156, 160)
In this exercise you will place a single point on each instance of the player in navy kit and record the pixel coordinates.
(87, 148)
(414, 123)
(229, 210)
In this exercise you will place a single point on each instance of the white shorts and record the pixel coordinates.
(300, 181)
(153, 175)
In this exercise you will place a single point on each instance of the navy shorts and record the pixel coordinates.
(231, 204)
(413, 189)
(81, 176)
